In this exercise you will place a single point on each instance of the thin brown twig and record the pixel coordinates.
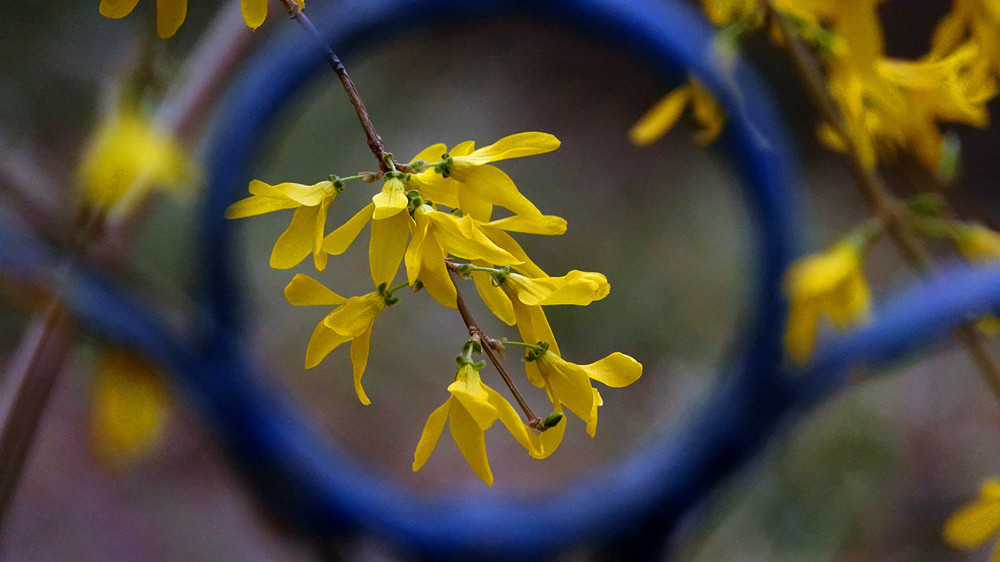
(490, 347)
(374, 140)
(888, 208)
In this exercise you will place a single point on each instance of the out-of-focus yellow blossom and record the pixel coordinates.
(977, 522)
(829, 284)
(129, 407)
(470, 411)
(977, 243)
(304, 234)
(664, 115)
(170, 14)
(351, 321)
(977, 21)
(463, 177)
(126, 158)
(569, 384)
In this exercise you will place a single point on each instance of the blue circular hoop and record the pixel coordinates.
(630, 509)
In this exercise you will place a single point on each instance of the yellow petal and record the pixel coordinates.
(303, 290)
(254, 12)
(800, 331)
(552, 437)
(542, 224)
(615, 370)
(355, 316)
(432, 153)
(569, 384)
(512, 421)
(388, 244)
(117, 8)
(257, 205)
(323, 341)
(129, 407)
(592, 420)
(661, 117)
(471, 441)
(391, 200)
(359, 360)
(494, 298)
(169, 16)
(309, 195)
(339, 240)
(532, 323)
(513, 146)
(430, 435)
(973, 524)
(297, 241)
(491, 184)
(473, 245)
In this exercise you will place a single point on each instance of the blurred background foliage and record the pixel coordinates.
(869, 475)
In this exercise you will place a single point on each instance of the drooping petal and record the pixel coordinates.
(117, 8)
(471, 441)
(494, 298)
(512, 421)
(472, 245)
(309, 195)
(616, 370)
(169, 16)
(513, 146)
(543, 224)
(129, 406)
(552, 437)
(974, 524)
(359, 360)
(569, 384)
(321, 343)
(254, 12)
(339, 240)
(661, 117)
(297, 241)
(430, 435)
(532, 323)
(388, 244)
(414, 250)
(303, 290)
(592, 419)
(525, 266)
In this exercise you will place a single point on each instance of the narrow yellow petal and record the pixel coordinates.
(552, 437)
(254, 12)
(321, 343)
(359, 360)
(514, 146)
(973, 524)
(117, 8)
(615, 370)
(471, 244)
(491, 184)
(257, 205)
(297, 241)
(430, 435)
(355, 316)
(339, 240)
(388, 245)
(592, 420)
(661, 117)
(512, 421)
(494, 298)
(169, 16)
(303, 290)
(532, 323)
(432, 153)
(543, 224)
(471, 441)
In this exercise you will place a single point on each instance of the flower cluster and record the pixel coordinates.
(887, 104)
(434, 217)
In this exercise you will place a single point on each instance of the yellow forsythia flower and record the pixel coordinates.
(569, 384)
(351, 321)
(129, 407)
(170, 14)
(830, 284)
(126, 158)
(664, 115)
(465, 179)
(977, 243)
(304, 234)
(470, 411)
(977, 522)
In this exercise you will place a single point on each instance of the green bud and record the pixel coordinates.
(550, 421)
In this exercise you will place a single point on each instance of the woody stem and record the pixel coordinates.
(489, 344)
(374, 140)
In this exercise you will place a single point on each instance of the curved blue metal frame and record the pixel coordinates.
(628, 510)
